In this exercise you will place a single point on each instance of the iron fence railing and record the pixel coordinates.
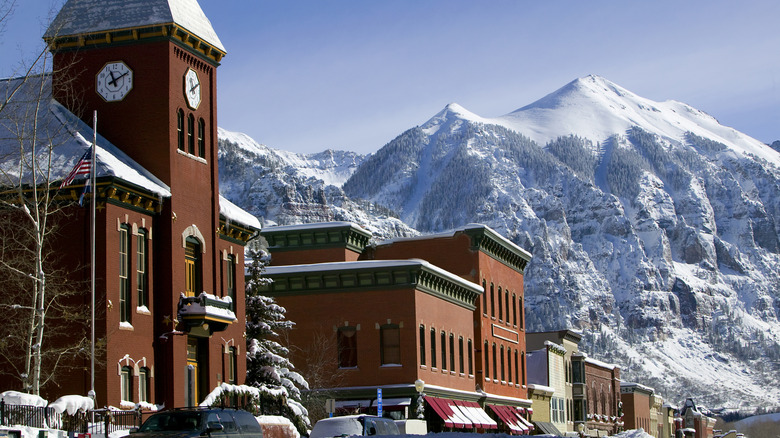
(95, 422)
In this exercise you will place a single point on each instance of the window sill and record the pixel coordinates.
(142, 310)
(391, 365)
(193, 157)
(126, 326)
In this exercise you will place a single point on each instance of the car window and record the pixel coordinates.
(247, 422)
(223, 418)
(186, 421)
(386, 427)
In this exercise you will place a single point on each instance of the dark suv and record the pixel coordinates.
(214, 422)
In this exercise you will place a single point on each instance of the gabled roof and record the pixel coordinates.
(79, 17)
(68, 134)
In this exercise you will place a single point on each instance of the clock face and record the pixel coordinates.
(114, 81)
(192, 88)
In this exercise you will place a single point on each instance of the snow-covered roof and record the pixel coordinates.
(68, 134)
(631, 386)
(91, 16)
(315, 226)
(234, 213)
(372, 265)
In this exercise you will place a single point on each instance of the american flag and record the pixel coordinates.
(83, 167)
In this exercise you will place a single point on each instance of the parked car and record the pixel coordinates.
(194, 422)
(353, 425)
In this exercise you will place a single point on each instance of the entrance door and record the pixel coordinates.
(191, 391)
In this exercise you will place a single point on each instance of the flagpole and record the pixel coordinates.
(92, 177)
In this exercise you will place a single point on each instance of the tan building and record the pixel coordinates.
(570, 340)
(547, 367)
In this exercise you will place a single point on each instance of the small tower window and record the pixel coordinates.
(180, 128)
(201, 138)
(191, 134)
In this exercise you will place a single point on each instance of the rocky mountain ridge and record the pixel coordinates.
(653, 228)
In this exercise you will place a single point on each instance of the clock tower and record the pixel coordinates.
(149, 70)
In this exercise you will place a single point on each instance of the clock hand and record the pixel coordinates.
(113, 81)
(194, 87)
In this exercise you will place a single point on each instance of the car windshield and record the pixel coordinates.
(172, 421)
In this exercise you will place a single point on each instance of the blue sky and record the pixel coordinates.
(305, 76)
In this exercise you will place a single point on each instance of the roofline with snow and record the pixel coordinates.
(371, 275)
(132, 35)
(316, 236)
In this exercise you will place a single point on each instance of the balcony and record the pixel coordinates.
(209, 312)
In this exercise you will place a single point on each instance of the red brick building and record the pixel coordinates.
(637, 400)
(169, 303)
(596, 393)
(446, 309)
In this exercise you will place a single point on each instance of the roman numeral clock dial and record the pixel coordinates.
(114, 81)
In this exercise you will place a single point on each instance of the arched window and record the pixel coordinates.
(193, 267)
(231, 279)
(126, 382)
(180, 129)
(514, 309)
(191, 134)
(390, 344)
(143, 385)
(232, 373)
(506, 301)
(201, 138)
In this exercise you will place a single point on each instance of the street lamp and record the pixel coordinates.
(419, 386)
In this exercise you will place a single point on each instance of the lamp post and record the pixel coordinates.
(419, 386)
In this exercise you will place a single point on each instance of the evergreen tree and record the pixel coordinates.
(268, 366)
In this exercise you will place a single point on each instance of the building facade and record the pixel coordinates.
(596, 395)
(546, 367)
(169, 302)
(454, 302)
(570, 341)
(637, 400)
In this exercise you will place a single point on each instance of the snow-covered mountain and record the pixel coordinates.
(287, 188)
(653, 228)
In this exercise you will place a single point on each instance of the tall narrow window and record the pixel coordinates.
(141, 266)
(503, 368)
(180, 129)
(460, 355)
(443, 350)
(492, 301)
(347, 346)
(522, 369)
(470, 347)
(422, 345)
(192, 261)
(126, 382)
(509, 365)
(201, 138)
(452, 352)
(500, 307)
(506, 301)
(191, 134)
(495, 362)
(486, 353)
(514, 309)
(484, 297)
(232, 366)
(231, 279)
(520, 323)
(390, 340)
(124, 273)
(143, 385)
(433, 347)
